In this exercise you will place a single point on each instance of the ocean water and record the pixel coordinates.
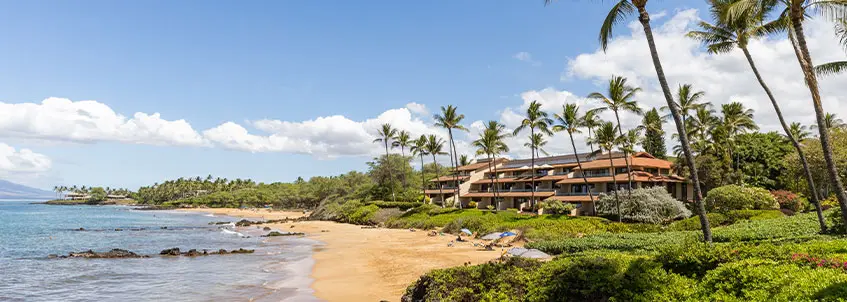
(277, 271)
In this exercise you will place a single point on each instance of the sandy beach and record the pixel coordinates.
(357, 264)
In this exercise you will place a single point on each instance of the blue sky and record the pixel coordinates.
(212, 62)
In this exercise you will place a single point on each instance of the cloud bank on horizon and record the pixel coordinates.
(725, 78)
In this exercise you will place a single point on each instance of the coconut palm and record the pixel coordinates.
(402, 140)
(619, 99)
(606, 139)
(537, 143)
(688, 100)
(590, 121)
(736, 120)
(498, 131)
(490, 143)
(724, 37)
(791, 19)
(535, 119)
(617, 15)
(419, 148)
(450, 120)
(464, 160)
(837, 67)
(570, 121)
(799, 132)
(831, 121)
(387, 134)
(435, 146)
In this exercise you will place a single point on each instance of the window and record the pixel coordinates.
(620, 170)
(653, 171)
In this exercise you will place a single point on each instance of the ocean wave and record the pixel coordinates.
(209, 215)
(231, 232)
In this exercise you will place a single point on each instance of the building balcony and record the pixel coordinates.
(593, 175)
(575, 193)
(489, 190)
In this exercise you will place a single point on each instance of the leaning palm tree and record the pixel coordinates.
(535, 119)
(606, 139)
(570, 121)
(402, 140)
(723, 37)
(419, 148)
(792, 18)
(590, 121)
(387, 133)
(435, 146)
(450, 120)
(619, 98)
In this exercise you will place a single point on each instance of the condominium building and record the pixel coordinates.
(513, 184)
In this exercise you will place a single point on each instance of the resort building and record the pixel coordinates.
(76, 196)
(560, 178)
(444, 187)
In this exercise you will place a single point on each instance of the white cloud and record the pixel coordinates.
(725, 78)
(524, 56)
(419, 109)
(22, 161)
(90, 121)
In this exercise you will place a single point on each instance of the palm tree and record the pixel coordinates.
(537, 143)
(535, 119)
(464, 160)
(435, 146)
(798, 131)
(723, 37)
(490, 143)
(688, 100)
(591, 120)
(450, 120)
(606, 139)
(498, 131)
(386, 135)
(736, 120)
(570, 120)
(419, 148)
(831, 121)
(402, 140)
(791, 18)
(619, 99)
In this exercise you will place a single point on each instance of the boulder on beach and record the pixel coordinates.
(267, 229)
(114, 253)
(244, 222)
(275, 233)
(170, 252)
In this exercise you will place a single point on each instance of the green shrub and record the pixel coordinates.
(403, 205)
(766, 280)
(830, 202)
(472, 205)
(734, 197)
(797, 226)
(739, 215)
(835, 221)
(649, 205)
(623, 242)
(693, 223)
(556, 207)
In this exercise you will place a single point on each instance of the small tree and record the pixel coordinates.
(648, 205)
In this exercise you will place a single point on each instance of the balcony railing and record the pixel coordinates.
(562, 173)
(590, 175)
(489, 190)
(575, 193)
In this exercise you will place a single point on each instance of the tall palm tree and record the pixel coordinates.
(419, 148)
(570, 121)
(402, 140)
(590, 121)
(724, 37)
(700, 127)
(535, 119)
(435, 146)
(619, 12)
(387, 133)
(619, 98)
(688, 100)
(736, 120)
(498, 131)
(792, 17)
(606, 139)
(490, 142)
(450, 120)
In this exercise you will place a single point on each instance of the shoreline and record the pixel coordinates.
(357, 264)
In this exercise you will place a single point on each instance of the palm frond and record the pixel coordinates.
(832, 68)
(619, 13)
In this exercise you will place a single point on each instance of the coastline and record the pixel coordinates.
(356, 264)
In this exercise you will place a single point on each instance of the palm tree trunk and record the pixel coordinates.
(625, 158)
(497, 181)
(493, 191)
(438, 181)
(584, 178)
(800, 153)
(390, 177)
(590, 144)
(644, 18)
(812, 82)
(532, 169)
(423, 176)
(403, 153)
(615, 187)
(455, 168)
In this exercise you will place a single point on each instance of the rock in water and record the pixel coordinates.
(242, 251)
(114, 253)
(275, 233)
(170, 252)
(193, 253)
(267, 228)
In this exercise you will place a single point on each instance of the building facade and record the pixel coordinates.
(512, 185)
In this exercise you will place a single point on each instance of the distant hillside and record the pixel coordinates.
(10, 190)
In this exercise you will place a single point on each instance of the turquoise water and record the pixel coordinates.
(278, 270)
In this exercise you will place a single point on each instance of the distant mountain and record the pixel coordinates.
(10, 190)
